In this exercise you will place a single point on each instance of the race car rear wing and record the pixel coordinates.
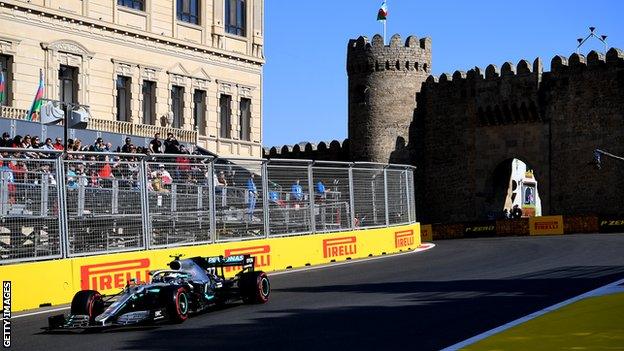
(244, 262)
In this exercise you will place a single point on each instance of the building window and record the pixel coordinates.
(5, 69)
(68, 84)
(124, 97)
(225, 104)
(236, 17)
(149, 102)
(188, 11)
(177, 105)
(199, 111)
(133, 4)
(245, 119)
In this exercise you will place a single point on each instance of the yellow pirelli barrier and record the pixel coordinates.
(55, 282)
(546, 225)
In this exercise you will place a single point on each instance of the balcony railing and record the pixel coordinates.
(12, 112)
(125, 128)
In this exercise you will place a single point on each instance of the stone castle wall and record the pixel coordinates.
(464, 127)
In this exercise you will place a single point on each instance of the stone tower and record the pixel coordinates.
(383, 82)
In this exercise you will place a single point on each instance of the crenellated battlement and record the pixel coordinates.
(325, 150)
(411, 55)
(558, 65)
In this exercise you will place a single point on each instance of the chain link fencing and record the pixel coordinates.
(29, 205)
(56, 205)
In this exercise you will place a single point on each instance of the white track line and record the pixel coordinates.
(477, 338)
(423, 247)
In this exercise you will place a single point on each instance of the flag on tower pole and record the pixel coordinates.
(36, 105)
(382, 16)
(2, 88)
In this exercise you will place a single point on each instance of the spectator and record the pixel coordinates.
(155, 146)
(71, 178)
(164, 175)
(127, 147)
(58, 145)
(6, 174)
(46, 176)
(98, 146)
(172, 146)
(17, 141)
(26, 142)
(6, 140)
(252, 194)
(77, 145)
(106, 170)
(20, 171)
(297, 193)
(320, 190)
(220, 184)
(36, 142)
(108, 147)
(48, 146)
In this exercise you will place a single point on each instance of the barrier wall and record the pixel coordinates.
(55, 282)
(545, 225)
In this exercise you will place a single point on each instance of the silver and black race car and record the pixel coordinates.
(189, 286)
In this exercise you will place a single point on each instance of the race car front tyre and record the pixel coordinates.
(254, 287)
(176, 303)
(87, 303)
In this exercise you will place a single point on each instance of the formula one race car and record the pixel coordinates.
(191, 285)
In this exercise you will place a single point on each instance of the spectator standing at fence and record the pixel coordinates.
(320, 190)
(106, 171)
(156, 146)
(296, 191)
(221, 186)
(172, 146)
(163, 174)
(71, 176)
(45, 175)
(6, 175)
(58, 145)
(252, 194)
(20, 171)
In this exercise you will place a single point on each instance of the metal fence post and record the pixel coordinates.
(213, 208)
(265, 197)
(311, 191)
(61, 202)
(351, 197)
(385, 175)
(407, 193)
(145, 205)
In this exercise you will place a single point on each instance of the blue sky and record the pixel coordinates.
(305, 80)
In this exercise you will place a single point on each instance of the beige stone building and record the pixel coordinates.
(143, 65)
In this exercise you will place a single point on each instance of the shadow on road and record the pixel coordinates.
(424, 315)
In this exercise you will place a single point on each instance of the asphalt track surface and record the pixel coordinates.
(422, 301)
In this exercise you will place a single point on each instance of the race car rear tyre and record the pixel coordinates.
(176, 302)
(254, 287)
(87, 303)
